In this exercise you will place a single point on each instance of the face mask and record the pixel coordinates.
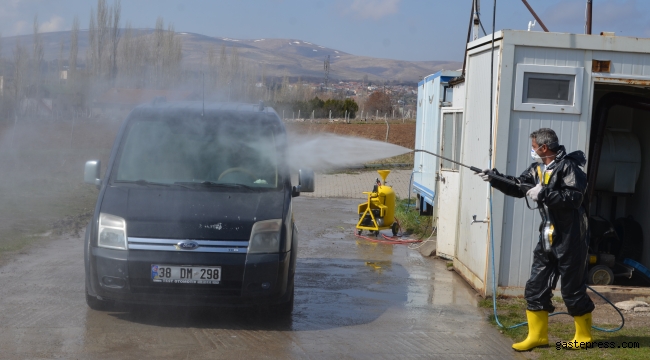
(535, 156)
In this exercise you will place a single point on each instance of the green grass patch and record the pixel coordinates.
(410, 219)
(513, 311)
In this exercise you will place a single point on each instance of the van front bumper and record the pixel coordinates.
(125, 276)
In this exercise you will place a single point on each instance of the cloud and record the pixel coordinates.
(373, 9)
(56, 23)
(21, 27)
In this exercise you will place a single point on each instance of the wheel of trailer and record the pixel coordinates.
(600, 275)
(395, 228)
(376, 233)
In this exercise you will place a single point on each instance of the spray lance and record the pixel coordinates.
(547, 233)
(522, 186)
(548, 229)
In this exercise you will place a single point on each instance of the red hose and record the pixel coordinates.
(390, 240)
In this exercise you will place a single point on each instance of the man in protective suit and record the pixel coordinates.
(559, 189)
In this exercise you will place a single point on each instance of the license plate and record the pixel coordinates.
(173, 274)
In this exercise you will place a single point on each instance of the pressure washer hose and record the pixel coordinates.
(494, 284)
(494, 292)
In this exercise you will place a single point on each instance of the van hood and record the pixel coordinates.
(165, 213)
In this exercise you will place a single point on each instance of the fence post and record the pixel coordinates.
(387, 128)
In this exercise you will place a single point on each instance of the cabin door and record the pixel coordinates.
(450, 142)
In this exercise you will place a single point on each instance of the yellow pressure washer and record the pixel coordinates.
(378, 213)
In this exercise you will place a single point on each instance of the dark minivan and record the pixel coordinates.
(195, 209)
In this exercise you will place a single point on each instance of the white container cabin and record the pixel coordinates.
(435, 122)
(580, 70)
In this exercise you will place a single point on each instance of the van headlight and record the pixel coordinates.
(112, 232)
(265, 237)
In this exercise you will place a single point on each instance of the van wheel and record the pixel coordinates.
(286, 308)
(96, 304)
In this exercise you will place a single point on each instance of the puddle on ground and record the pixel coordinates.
(379, 266)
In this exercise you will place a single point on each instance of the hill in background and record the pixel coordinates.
(277, 57)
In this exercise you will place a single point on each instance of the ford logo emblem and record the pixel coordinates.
(186, 245)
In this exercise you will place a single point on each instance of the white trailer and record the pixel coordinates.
(553, 80)
(435, 113)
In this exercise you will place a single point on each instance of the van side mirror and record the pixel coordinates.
(306, 180)
(91, 173)
(295, 191)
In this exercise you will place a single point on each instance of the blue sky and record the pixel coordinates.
(394, 29)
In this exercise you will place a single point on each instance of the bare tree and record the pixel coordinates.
(103, 23)
(20, 62)
(115, 36)
(126, 60)
(378, 102)
(59, 63)
(172, 56)
(224, 73)
(2, 68)
(74, 48)
(91, 54)
(38, 56)
(212, 67)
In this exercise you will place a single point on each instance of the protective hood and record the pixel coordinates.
(577, 157)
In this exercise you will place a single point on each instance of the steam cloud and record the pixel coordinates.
(325, 151)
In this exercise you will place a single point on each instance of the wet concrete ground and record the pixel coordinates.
(354, 299)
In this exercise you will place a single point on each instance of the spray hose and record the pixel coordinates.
(494, 292)
(390, 240)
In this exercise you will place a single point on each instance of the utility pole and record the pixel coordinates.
(476, 20)
(326, 67)
(589, 11)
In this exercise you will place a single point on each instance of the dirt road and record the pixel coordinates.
(353, 300)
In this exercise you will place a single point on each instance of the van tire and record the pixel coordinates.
(286, 308)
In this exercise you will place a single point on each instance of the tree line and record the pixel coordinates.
(319, 108)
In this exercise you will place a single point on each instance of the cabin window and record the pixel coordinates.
(548, 89)
(542, 88)
(452, 126)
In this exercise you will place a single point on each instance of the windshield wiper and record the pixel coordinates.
(207, 183)
(148, 183)
(141, 182)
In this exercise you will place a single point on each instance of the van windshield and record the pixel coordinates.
(202, 152)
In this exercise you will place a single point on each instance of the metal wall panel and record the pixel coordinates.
(549, 56)
(459, 96)
(430, 93)
(520, 224)
(430, 132)
(626, 64)
(418, 157)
